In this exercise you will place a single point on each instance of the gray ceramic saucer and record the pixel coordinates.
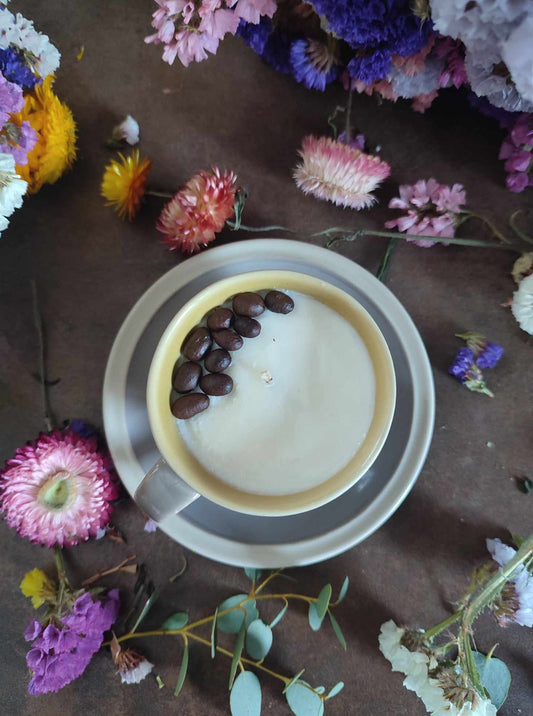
(245, 540)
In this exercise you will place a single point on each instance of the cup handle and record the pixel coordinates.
(162, 493)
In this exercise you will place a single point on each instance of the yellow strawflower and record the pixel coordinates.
(55, 150)
(124, 183)
(37, 586)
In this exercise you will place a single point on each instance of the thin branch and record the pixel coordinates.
(111, 570)
(38, 321)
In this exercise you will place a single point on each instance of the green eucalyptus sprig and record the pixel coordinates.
(239, 617)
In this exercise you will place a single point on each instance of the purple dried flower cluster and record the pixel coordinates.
(478, 355)
(517, 150)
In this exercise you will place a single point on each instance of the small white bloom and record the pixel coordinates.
(12, 189)
(522, 307)
(499, 551)
(127, 130)
(521, 581)
(137, 673)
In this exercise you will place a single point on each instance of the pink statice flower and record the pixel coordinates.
(431, 209)
(57, 489)
(336, 172)
(198, 211)
(189, 30)
(517, 150)
(61, 651)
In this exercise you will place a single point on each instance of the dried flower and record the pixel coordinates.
(124, 183)
(336, 172)
(516, 149)
(38, 587)
(515, 603)
(150, 525)
(430, 209)
(198, 211)
(133, 667)
(313, 63)
(61, 652)
(57, 489)
(479, 353)
(12, 189)
(127, 131)
(55, 150)
(522, 307)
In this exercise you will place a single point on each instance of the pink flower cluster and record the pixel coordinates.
(431, 209)
(453, 53)
(517, 151)
(189, 30)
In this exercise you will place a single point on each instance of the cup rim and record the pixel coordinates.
(163, 423)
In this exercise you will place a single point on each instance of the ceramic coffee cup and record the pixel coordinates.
(178, 478)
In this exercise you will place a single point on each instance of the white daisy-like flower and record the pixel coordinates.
(522, 307)
(516, 602)
(12, 189)
(517, 53)
(127, 131)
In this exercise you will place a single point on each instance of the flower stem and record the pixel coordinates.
(38, 321)
(117, 568)
(444, 624)
(496, 232)
(384, 266)
(260, 229)
(348, 129)
(351, 235)
(161, 194)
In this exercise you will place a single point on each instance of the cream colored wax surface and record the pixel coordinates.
(301, 405)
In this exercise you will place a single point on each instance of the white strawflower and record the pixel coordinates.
(12, 189)
(127, 130)
(517, 53)
(522, 307)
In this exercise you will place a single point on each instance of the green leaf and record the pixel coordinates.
(245, 697)
(337, 630)
(183, 669)
(303, 701)
(320, 689)
(315, 622)
(214, 635)
(495, 677)
(253, 573)
(231, 622)
(292, 681)
(176, 621)
(336, 690)
(279, 617)
(344, 589)
(258, 639)
(322, 602)
(147, 606)
(239, 644)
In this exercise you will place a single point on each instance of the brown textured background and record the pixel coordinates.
(236, 112)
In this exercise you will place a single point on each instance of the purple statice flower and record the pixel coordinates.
(277, 52)
(370, 68)
(357, 142)
(490, 355)
(453, 53)
(517, 150)
(18, 141)
(313, 63)
(150, 525)
(61, 652)
(11, 99)
(15, 68)
(86, 430)
(255, 36)
(462, 363)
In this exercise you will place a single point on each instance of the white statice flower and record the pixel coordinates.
(516, 602)
(424, 82)
(127, 131)
(517, 53)
(137, 673)
(522, 307)
(416, 665)
(18, 31)
(12, 189)
(133, 667)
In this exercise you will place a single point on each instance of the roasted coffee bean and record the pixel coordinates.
(186, 377)
(196, 344)
(189, 405)
(216, 384)
(227, 339)
(247, 327)
(218, 360)
(248, 304)
(220, 318)
(279, 302)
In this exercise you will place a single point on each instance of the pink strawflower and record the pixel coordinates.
(198, 211)
(430, 210)
(57, 489)
(336, 172)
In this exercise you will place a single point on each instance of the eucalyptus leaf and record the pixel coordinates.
(337, 630)
(280, 616)
(292, 681)
(320, 689)
(176, 621)
(303, 701)
(495, 677)
(258, 639)
(343, 590)
(214, 635)
(183, 669)
(245, 697)
(253, 573)
(336, 690)
(146, 608)
(231, 622)
(322, 602)
(315, 622)
(239, 644)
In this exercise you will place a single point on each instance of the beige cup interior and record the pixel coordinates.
(166, 432)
